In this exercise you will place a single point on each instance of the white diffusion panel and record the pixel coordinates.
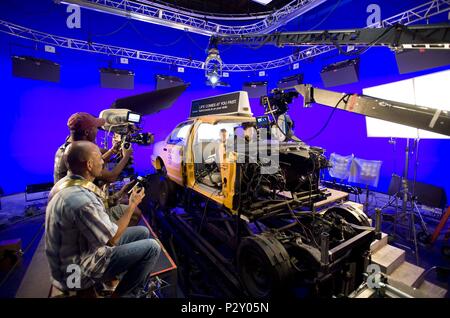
(432, 90)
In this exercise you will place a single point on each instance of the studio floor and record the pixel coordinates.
(25, 221)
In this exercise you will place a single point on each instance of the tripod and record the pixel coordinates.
(409, 197)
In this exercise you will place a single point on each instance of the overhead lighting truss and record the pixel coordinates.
(395, 37)
(416, 14)
(187, 21)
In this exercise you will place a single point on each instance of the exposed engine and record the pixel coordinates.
(293, 242)
(298, 173)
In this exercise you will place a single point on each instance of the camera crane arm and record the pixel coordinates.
(433, 36)
(420, 117)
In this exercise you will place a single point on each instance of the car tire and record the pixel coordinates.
(167, 193)
(162, 170)
(263, 265)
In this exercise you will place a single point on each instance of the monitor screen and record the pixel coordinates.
(262, 122)
(134, 117)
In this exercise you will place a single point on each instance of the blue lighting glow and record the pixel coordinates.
(34, 113)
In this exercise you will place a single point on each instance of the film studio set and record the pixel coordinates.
(229, 149)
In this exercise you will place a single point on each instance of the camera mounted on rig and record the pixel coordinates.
(126, 124)
(276, 106)
(278, 101)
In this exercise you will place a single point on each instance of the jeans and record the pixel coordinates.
(135, 257)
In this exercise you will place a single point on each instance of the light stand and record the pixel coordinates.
(405, 199)
(413, 194)
(393, 198)
(409, 197)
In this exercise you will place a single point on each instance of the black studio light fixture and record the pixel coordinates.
(290, 81)
(35, 68)
(116, 78)
(341, 73)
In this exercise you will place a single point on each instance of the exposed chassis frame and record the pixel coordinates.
(225, 266)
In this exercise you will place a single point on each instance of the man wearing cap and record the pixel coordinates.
(84, 127)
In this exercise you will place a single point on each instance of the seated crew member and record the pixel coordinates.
(84, 126)
(80, 234)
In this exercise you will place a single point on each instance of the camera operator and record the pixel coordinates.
(84, 127)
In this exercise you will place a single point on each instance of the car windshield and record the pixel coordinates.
(180, 133)
(210, 132)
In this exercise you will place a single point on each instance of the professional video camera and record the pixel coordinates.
(126, 124)
(276, 105)
(277, 102)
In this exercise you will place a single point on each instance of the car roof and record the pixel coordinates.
(212, 119)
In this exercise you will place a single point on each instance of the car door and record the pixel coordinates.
(173, 151)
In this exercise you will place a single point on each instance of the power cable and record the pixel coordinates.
(154, 43)
(326, 17)
(202, 48)
(366, 48)
(328, 120)
(112, 32)
(136, 30)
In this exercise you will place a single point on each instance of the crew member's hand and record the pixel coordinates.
(136, 196)
(127, 152)
(115, 146)
(116, 197)
(126, 187)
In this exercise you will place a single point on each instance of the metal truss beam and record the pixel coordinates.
(209, 15)
(431, 8)
(80, 45)
(416, 14)
(395, 37)
(186, 21)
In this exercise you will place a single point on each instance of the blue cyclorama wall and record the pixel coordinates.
(34, 113)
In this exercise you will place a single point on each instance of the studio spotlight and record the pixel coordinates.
(167, 81)
(213, 78)
(213, 65)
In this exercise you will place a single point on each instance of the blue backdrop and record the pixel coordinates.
(34, 113)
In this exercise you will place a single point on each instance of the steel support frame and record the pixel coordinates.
(429, 36)
(413, 15)
(187, 21)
